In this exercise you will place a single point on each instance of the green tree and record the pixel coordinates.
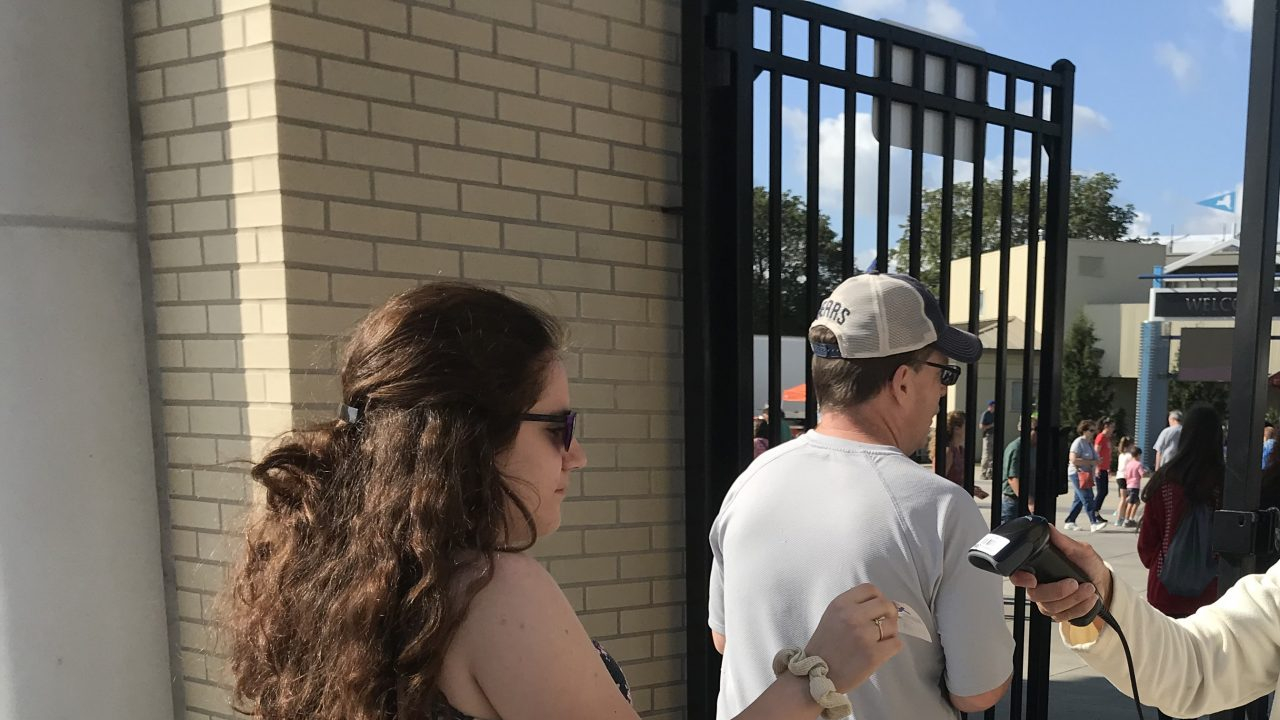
(1093, 215)
(1085, 393)
(796, 317)
(1185, 393)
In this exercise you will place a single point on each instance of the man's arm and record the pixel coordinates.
(718, 640)
(969, 612)
(978, 703)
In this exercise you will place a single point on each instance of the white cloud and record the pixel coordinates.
(1237, 14)
(831, 156)
(831, 144)
(993, 168)
(873, 8)
(1205, 221)
(1178, 62)
(935, 16)
(941, 17)
(1141, 226)
(1087, 118)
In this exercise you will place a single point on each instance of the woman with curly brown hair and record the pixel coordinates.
(386, 577)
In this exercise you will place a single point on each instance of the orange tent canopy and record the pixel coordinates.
(794, 394)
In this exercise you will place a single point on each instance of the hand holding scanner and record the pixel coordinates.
(1023, 544)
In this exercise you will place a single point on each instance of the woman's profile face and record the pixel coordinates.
(537, 463)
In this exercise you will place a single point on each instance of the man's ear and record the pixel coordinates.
(900, 381)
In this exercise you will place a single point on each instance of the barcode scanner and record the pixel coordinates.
(1023, 544)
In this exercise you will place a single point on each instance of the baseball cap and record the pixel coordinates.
(880, 314)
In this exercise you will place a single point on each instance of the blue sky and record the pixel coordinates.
(1161, 90)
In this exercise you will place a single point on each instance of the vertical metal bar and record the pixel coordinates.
(847, 254)
(917, 165)
(944, 241)
(1256, 284)
(1025, 466)
(975, 268)
(698, 389)
(775, 235)
(1051, 440)
(1002, 312)
(884, 120)
(812, 240)
(1002, 323)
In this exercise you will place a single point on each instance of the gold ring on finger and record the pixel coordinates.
(880, 626)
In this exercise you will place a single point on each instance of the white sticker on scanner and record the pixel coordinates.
(909, 623)
(991, 544)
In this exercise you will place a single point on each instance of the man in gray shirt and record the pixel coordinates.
(1167, 443)
(844, 504)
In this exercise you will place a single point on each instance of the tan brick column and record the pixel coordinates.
(207, 94)
(527, 145)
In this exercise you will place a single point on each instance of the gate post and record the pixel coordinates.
(1153, 387)
(717, 178)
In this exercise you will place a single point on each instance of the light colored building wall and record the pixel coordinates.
(1098, 272)
(989, 283)
(308, 159)
(1102, 282)
(986, 368)
(1119, 331)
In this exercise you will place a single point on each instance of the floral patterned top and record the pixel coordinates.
(447, 712)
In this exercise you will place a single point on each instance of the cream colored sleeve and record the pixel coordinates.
(1222, 657)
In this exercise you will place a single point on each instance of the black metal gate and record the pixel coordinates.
(926, 96)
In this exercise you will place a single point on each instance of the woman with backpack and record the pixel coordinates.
(1188, 484)
(1191, 480)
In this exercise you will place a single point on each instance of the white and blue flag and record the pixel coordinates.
(1225, 201)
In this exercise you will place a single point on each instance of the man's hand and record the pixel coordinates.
(1067, 600)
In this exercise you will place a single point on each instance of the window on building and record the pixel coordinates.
(1090, 266)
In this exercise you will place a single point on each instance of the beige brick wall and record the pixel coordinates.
(308, 158)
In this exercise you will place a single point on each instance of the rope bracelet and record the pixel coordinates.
(835, 705)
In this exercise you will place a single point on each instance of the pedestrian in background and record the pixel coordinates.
(1082, 463)
(1102, 446)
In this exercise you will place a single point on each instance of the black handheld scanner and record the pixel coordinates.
(1023, 544)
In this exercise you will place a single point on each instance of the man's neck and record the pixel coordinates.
(864, 426)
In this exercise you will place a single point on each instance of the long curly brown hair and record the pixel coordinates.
(376, 535)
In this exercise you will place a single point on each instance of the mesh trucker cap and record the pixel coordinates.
(876, 315)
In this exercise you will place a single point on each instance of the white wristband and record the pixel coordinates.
(835, 705)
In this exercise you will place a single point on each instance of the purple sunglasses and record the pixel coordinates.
(567, 420)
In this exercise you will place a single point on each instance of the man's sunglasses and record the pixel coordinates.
(950, 374)
(566, 420)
